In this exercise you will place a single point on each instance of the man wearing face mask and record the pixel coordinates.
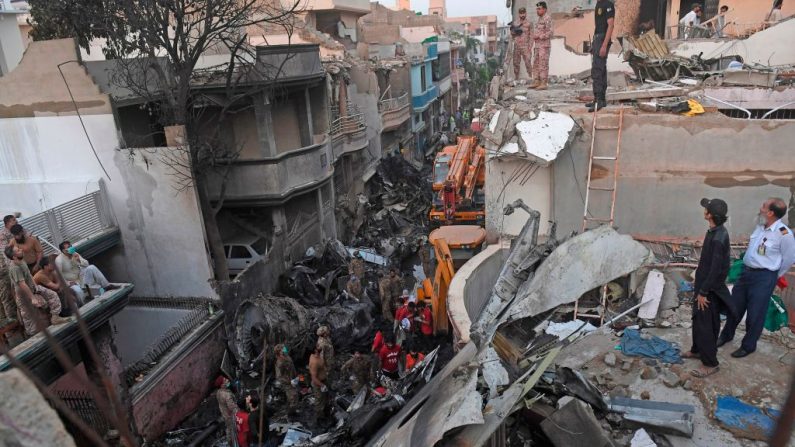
(771, 253)
(77, 271)
(522, 33)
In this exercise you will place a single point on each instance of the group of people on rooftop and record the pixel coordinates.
(40, 290)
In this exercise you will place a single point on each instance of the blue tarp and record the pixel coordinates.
(655, 347)
(745, 420)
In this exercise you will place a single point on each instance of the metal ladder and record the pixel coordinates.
(609, 220)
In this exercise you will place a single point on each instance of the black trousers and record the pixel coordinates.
(706, 326)
(599, 68)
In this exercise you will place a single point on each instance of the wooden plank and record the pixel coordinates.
(646, 93)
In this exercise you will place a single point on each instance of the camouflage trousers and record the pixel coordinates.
(541, 63)
(43, 300)
(522, 51)
(8, 307)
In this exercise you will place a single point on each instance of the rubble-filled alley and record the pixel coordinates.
(355, 223)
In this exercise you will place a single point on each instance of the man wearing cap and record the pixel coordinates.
(521, 32)
(770, 254)
(542, 35)
(604, 16)
(711, 292)
(286, 376)
(227, 406)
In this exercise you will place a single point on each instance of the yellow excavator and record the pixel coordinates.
(452, 246)
(459, 179)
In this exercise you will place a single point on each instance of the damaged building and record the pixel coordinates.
(566, 326)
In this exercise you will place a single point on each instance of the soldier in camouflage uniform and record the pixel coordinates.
(395, 288)
(354, 287)
(326, 348)
(522, 44)
(356, 266)
(286, 376)
(542, 34)
(227, 406)
(360, 368)
(384, 293)
(8, 308)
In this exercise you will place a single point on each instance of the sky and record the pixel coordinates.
(457, 8)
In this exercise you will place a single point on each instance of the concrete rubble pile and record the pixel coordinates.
(503, 377)
(517, 128)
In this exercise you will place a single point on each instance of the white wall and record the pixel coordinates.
(45, 161)
(504, 178)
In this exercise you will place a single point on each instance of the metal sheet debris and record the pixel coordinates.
(575, 425)
(744, 420)
(662, 417)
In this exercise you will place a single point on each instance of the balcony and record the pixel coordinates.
(445, 85)
(273, 180)
(360, 6)
(348, 133)
(421, 102)
(431, 51)
(394, 112)
(289, 63)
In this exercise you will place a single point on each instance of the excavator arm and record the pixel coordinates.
(441, 282)
(474, 173)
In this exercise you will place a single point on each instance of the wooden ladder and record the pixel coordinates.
(588, 218)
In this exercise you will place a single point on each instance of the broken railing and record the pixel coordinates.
(86, 221)
(352, 122)
(392, 104)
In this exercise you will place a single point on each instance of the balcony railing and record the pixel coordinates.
(352, 122)
(86, 221)
(421, 101)
(392, 104)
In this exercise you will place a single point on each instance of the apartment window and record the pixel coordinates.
(422, 78)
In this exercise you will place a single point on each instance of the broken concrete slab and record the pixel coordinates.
(543, 138)
(575, 425)
(25, 417)
(646, 93)
(652, 294)
(494, 373)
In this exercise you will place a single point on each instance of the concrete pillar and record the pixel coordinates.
(321, 218)
(309, 121)
(263, 112)
(105, 346)
(304, 119)
(281, 232)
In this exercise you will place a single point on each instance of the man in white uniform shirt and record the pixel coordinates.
(771, 252)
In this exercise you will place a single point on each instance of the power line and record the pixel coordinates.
(80, 117)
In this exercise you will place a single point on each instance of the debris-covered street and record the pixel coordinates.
(397, 224)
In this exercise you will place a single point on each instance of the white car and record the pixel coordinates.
(243, 251)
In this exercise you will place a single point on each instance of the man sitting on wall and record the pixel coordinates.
(77, 271)
(48, 277)
(30, 246)
(29, 297)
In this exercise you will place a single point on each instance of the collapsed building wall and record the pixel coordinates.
(668, 162)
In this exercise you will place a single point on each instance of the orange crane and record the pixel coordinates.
(458, 182)
(452, 246)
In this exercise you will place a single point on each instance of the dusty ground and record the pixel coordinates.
(761, 379)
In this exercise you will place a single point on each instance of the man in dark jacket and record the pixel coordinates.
(711, 293)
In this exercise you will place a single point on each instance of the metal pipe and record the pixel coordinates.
(729, 104)
(777, 109)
